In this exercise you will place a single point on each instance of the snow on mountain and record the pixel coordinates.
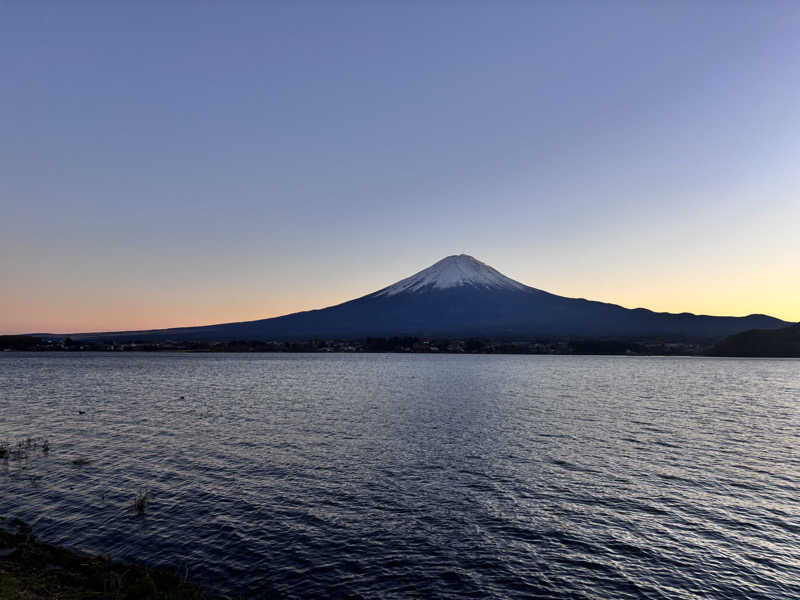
(454, 271)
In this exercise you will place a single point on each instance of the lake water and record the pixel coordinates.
(411, 476)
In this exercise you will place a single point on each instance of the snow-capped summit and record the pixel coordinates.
(454, 271)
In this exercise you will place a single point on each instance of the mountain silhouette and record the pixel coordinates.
(459, 296)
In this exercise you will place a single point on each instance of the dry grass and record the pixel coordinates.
(36, 571)
(140, 502)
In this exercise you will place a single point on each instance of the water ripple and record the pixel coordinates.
(359, 476)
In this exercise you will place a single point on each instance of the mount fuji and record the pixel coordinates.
(459, 296)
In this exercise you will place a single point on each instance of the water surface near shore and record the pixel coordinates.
(401, 476)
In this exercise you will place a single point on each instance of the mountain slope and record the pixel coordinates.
(460, 296)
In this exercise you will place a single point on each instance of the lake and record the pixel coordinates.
(409, 476)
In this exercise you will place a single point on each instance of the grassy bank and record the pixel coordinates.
(32, 570)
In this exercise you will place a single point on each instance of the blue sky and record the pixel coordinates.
(182, 163)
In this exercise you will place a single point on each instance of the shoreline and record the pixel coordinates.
(34, 570)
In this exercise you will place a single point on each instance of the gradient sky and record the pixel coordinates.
(180, 163)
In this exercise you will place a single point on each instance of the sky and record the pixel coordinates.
(182, 163)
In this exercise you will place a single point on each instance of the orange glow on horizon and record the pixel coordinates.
(118, 313)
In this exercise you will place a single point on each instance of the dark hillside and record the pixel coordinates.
(773, 343)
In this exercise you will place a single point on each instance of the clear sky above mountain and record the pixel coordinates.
(168, 164)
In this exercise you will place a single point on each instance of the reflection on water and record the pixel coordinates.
(418, 476)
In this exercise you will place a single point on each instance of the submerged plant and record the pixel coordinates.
(140, 502)
(19, 451)
(23, 448)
